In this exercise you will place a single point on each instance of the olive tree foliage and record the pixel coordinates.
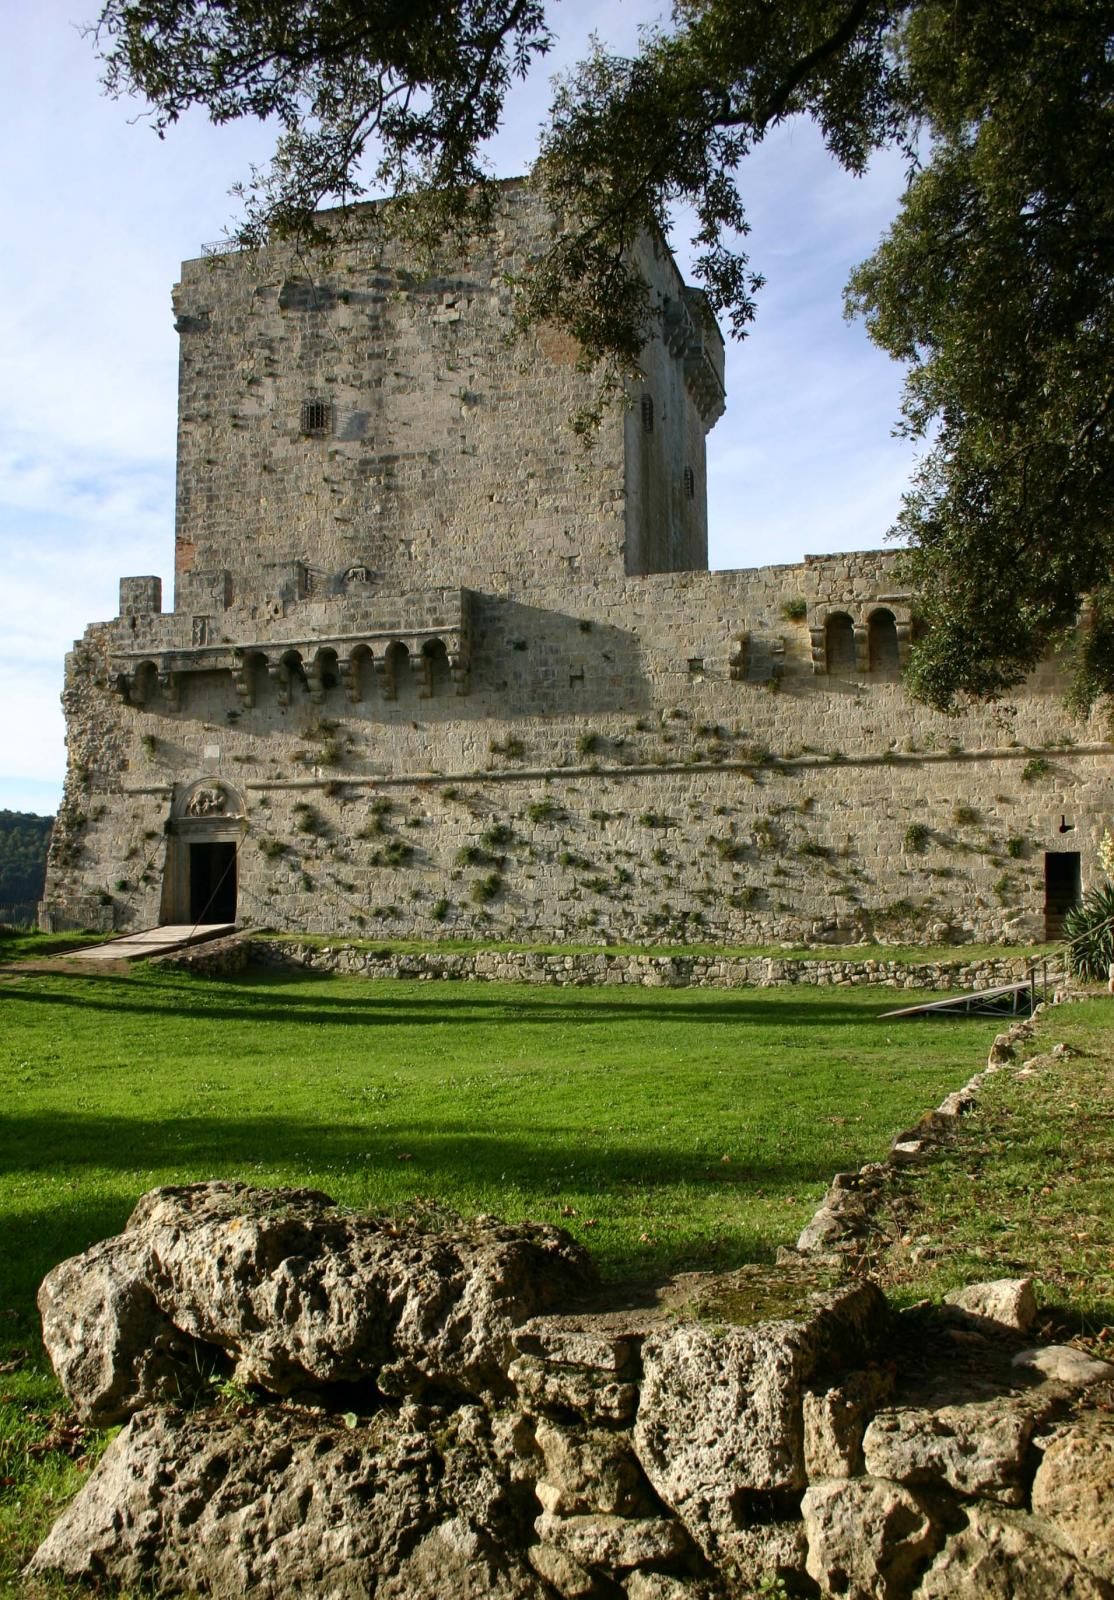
(384, 96)
(993, 285)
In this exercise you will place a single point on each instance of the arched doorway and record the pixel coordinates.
(201, 883)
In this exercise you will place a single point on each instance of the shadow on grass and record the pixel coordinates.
(267, 998)
(454, 1165)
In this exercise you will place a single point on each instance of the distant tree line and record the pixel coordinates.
(24, 838)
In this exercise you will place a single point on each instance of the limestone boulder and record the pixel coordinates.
(590, 1470)
(1007, 1556)
(1010, 1301)
(975, 1449)
(113, 1347)
(868, 1539)
(293, 1294)
(616, 1543)
(720, 1414)
(1074, 1490)
(835, 1420)
(1063, 1363)
(195, 1502)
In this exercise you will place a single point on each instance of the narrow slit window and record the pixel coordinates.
(317, 417)
(647, 413)
(689, 478)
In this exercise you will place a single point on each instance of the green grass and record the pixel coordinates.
(664, 1128)
(23, 944)
(1027, 1188)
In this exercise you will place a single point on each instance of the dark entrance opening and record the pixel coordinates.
(1063, 888)
(213, 882)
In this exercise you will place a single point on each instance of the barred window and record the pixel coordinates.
(647, 413)
(317, 417)
(689, 478)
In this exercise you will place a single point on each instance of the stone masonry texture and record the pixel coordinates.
(436, 667)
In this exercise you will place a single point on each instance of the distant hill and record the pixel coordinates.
(24, 838)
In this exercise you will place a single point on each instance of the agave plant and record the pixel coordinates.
(1089, 933)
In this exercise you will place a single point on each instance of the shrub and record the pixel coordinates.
(794, 609)
(1089, 933)
(272, 848)
(965, 816)
(587, 744)
(1038, 767)
(440, 909)
(500, 833)
(1015, 847)
(916, 836)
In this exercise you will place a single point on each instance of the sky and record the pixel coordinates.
(98, 215)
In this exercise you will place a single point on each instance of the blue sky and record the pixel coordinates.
(98, 215)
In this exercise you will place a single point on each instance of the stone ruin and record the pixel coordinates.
(434, 666)
(328, 1405)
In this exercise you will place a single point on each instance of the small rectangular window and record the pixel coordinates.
(690, 483)
(647, 413)
(317, 417)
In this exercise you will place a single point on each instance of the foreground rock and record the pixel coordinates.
(282, 1503)
(290, 1294)
(406, 1420)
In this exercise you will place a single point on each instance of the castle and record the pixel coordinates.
(434, 667)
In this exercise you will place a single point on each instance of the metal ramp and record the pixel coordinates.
(152, 942)
(1008, 1000)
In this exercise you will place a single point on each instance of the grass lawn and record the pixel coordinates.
(1028, 1187)
(663, 1127)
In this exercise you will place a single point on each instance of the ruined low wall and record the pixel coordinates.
(605, 968)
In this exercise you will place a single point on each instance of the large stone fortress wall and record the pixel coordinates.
(435, 668)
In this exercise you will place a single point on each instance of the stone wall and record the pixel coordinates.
(607, 771)
(601, 969)
(436, 666)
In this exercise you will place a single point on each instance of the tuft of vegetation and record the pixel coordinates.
(1036, 767)
(1015, 847)
(965, 816)
(396, 853)
(511, 748)
(656, 819)
(307, 819)
(487, 888)
(544, 811)
(794, 609)
(917, 836)
(498, 835)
